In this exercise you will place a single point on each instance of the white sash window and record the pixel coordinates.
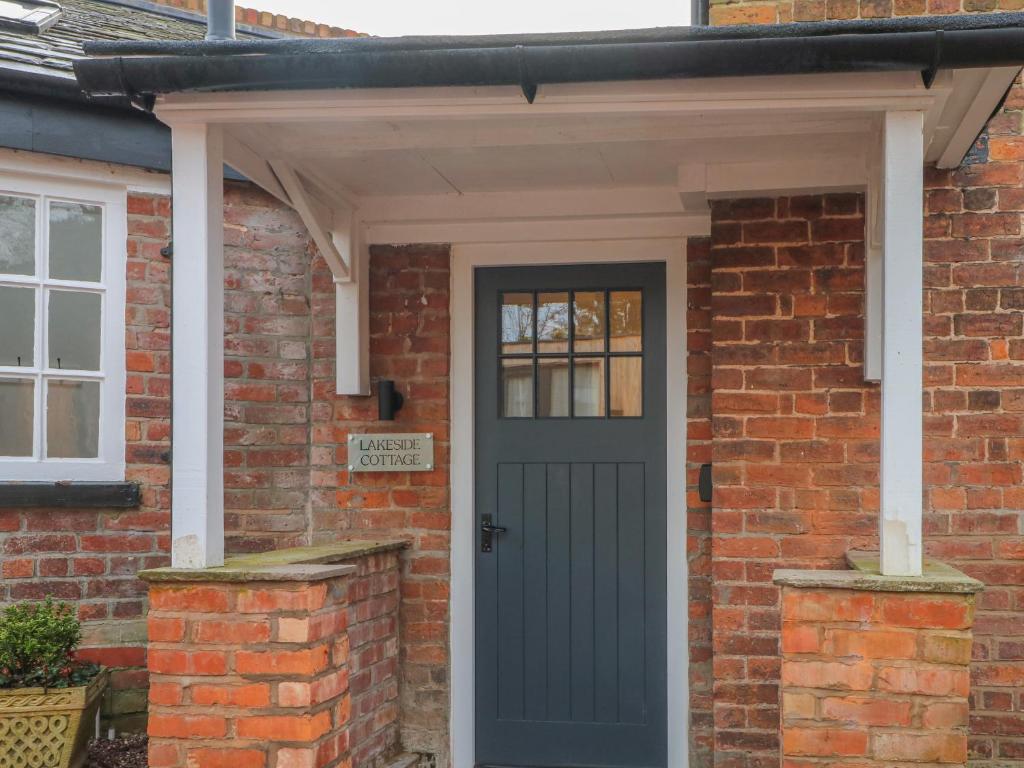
(62, 307)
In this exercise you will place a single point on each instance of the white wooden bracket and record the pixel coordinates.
(902, 368)
(328, 229)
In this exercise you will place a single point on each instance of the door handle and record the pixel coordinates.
(487, 532)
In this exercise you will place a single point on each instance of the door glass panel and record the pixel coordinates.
(553, 323)
(517, 387)
(16, 409)
(72, 419)
(17, 235)
(588, 320)
(553, 386)
(627, 386)
(588, 386)
(626, 321)
(17, 326)
(76, 241)
(516, 323)
(74, 331)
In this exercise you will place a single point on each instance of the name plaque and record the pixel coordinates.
(391, 452)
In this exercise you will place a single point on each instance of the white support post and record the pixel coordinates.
(352, 319)
(197, 469)
(902, 357)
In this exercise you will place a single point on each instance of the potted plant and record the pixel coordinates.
(48, 699)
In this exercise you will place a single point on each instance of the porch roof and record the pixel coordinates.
(924, 45)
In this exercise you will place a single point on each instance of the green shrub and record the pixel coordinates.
(37, 643)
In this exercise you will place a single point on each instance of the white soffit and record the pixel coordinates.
(371, 144)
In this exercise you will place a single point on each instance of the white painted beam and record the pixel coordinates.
(197, 467)
(513, 230)
(902, 356)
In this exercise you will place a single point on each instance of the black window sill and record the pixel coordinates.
(69, 495)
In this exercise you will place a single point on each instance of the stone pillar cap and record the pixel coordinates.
(865, 575)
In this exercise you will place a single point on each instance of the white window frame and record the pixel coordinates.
(109, 465)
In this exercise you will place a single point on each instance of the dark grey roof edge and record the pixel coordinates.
(186, 15)
(529, 64)
(291, 45)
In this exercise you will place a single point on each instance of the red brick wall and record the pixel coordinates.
(874, 678)
(698, 452)
(974, 412)
(373, 597)
(795, 427)
(409, 325)
(91, 556)
(249, 674)
(795, 435)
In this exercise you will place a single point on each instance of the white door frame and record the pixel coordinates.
(465, 258)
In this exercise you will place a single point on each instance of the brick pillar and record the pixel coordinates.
(250, 664)
(875, 670)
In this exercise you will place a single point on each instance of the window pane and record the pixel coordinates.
(517, 388)
(17, 235)
(17, 325)
(626, 318)
(588, 320)
(588, 386)
(72, 419)
(627, 383)
(76, 241)
(74, 331)
(553, 322)
(517, 323)
(553, 389)
(16, 409)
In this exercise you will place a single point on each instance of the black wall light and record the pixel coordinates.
(389, 400)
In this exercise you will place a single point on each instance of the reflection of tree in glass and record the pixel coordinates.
(553, 318)
(588, 315)
(517, 318)
(625, 309)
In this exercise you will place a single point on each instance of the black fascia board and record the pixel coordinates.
(530, 65)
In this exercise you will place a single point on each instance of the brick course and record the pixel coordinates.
(874, 678)
(276, 674)
(409, 325)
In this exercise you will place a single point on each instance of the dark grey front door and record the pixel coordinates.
(570, 462)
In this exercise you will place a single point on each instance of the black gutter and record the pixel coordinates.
(529, 65)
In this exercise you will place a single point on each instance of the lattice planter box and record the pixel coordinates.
(48, 727)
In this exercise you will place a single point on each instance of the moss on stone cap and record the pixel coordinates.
(866, 575)
(314, 563)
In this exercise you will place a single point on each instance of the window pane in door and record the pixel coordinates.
(553, 322)
(625, 309)
(17, 326)
(588, 321)
(517, 323)
(74, 331)
(588, 386)
(552, 386)
(17, 235)
(76, 241)
(517, 388)
(16, 409)
(72, 419)
(627, 385)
